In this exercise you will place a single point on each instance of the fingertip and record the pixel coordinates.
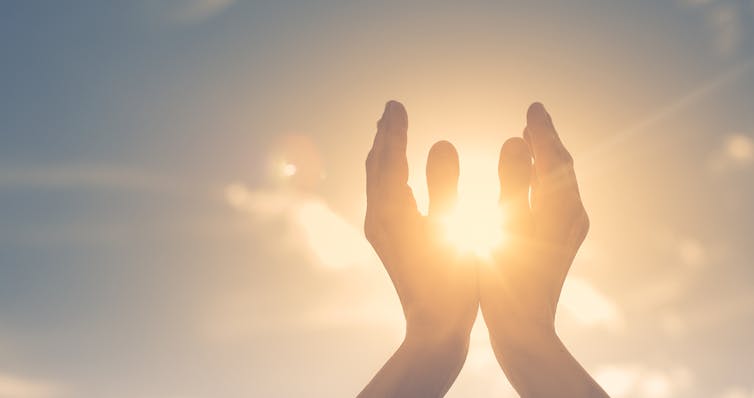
(537, 115)
(514, 166)
(515, 146)
(443, 171)
(396, 113)
(514, 152)
(443, 150)
(392, 103)
(443, 166)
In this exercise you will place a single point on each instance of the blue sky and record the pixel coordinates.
(154, 245)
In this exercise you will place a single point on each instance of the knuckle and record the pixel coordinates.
(370, 160)
(585, 223)
(369, 229)
(566, 158)
(582, 223)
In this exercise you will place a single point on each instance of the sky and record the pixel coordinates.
(182, 187)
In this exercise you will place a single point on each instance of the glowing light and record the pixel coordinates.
(476, 224)
(289, 170)
(740, 148)
(475, 228)
(335, 242)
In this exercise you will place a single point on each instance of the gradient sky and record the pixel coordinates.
(155, 245)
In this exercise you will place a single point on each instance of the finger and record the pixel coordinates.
(394, 126)
(372, 229)
(393, 164)
(540, 132)
(515, 172)
(552, 162)
(373, 167)
(442, 178)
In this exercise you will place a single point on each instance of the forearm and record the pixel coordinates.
(538, 365)
(423, 366)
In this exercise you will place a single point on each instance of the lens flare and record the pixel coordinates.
(289, 169)
(476, 224)
(475, 227)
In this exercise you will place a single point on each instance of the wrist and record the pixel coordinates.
(445, 340)
(434, 335)
(516, 328)
(443, 349)
(537, 353)
(524, 338)
(439, 327)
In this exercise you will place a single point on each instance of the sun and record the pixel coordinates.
(475, 226)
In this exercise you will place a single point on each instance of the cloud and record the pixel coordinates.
(334, 242)
(588, 306)
(726, 21)
(18, 387)
(618, 381)
(735, 152)
(740, 148)
(337, 244)
(738, 392)
(687, 250)
(629, 380)
(259, 203)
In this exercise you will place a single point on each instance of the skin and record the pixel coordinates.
(437, 288)
(519, 290)
(440, 290)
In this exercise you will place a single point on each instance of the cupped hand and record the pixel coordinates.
(520, 289)
(437, 287)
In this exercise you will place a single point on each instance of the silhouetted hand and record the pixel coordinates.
(519, 291)
(436, 286)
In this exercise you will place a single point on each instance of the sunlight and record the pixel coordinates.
(475, 226)
(289, 169)
(332, 239)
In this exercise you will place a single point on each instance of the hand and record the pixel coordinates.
(437, 288)
(519, 291)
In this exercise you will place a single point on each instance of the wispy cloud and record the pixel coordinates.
(736, 151)
(588, 306)
(632, 380)
(726, 22)
(333, 241)
(728, 26)
(12, 386)
(738, 392)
